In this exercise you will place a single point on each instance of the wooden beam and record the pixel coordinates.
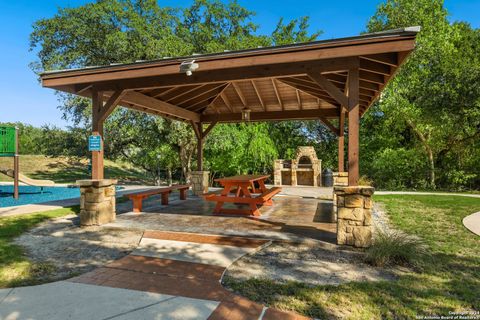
(79, 89)
(225, 100)
(329, 125)
(259, 96)
(205, 99)
(201, 135)
(307, 82)
(299, 99)
(162, 107)
(353, 127)
(308, 89)
(341, 79)
(175, 91)
(372, 77)
(219, 95)
(224, 75)
(196, 93)
(277, 94)
(385, 58)
(185, 92)
(196, 129)
(305, 114)
(161, 91)
(110, 105)
(97, 129)
(341, 142)
(330, 88)
(372, 66)
(239, 93)
(266, 59)
(209, 128)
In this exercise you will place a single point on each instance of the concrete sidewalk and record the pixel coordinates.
(472, 223)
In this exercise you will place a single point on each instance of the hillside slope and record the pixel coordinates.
(68, 170)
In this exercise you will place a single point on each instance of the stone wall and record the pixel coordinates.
(354, 215)
(97, 201)
(200, 181)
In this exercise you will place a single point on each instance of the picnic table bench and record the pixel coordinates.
(243, 187)
(137, 197)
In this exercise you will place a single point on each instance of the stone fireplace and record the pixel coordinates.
(304, 170)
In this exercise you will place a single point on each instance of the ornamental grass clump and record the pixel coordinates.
(393, 248)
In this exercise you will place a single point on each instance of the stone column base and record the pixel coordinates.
(339, 179)
(97, 201)
(354, 215)
(200, 182)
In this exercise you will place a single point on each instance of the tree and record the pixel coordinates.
(435, 95)
(240, 149)
(120, 31)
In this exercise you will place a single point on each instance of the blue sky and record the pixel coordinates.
(23, 99)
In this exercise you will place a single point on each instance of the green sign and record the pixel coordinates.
(95, 143)
(8, 143)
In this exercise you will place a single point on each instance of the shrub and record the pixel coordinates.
(365, 181)
(391, 248)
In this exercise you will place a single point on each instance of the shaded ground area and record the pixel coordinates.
(289, 218)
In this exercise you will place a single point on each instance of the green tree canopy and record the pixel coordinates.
(120, 31)
(432, 104)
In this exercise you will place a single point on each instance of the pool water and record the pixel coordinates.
(30, 194)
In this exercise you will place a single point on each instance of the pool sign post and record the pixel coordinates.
(95, 143)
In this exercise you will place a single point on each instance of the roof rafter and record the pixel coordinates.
(259, 96)
(239, 93)
(277, 94)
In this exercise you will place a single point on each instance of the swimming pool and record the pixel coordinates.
(29, 194)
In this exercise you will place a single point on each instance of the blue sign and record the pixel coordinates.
(95, 143)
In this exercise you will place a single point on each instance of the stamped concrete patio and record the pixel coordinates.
(297, 213)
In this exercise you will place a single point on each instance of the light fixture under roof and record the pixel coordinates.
(246, 114)
(188, 67)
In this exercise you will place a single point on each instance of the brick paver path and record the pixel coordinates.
(180, 275)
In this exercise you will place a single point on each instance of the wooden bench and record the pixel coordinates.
(269, 194)
(137, 197)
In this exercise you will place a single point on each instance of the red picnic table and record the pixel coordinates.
(243, 187)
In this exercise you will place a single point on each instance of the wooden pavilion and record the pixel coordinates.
(327, 80)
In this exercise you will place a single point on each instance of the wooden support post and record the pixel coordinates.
(97, 129)
(198, 129)
(353, 126)
(200, 154)
(16, 166)
(201, 135)
(341, 141)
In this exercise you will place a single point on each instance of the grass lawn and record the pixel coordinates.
(68, 170)
(449, 279)
(15, 268)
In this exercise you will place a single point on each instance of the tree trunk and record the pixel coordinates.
(169, 176)
(431, 160)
